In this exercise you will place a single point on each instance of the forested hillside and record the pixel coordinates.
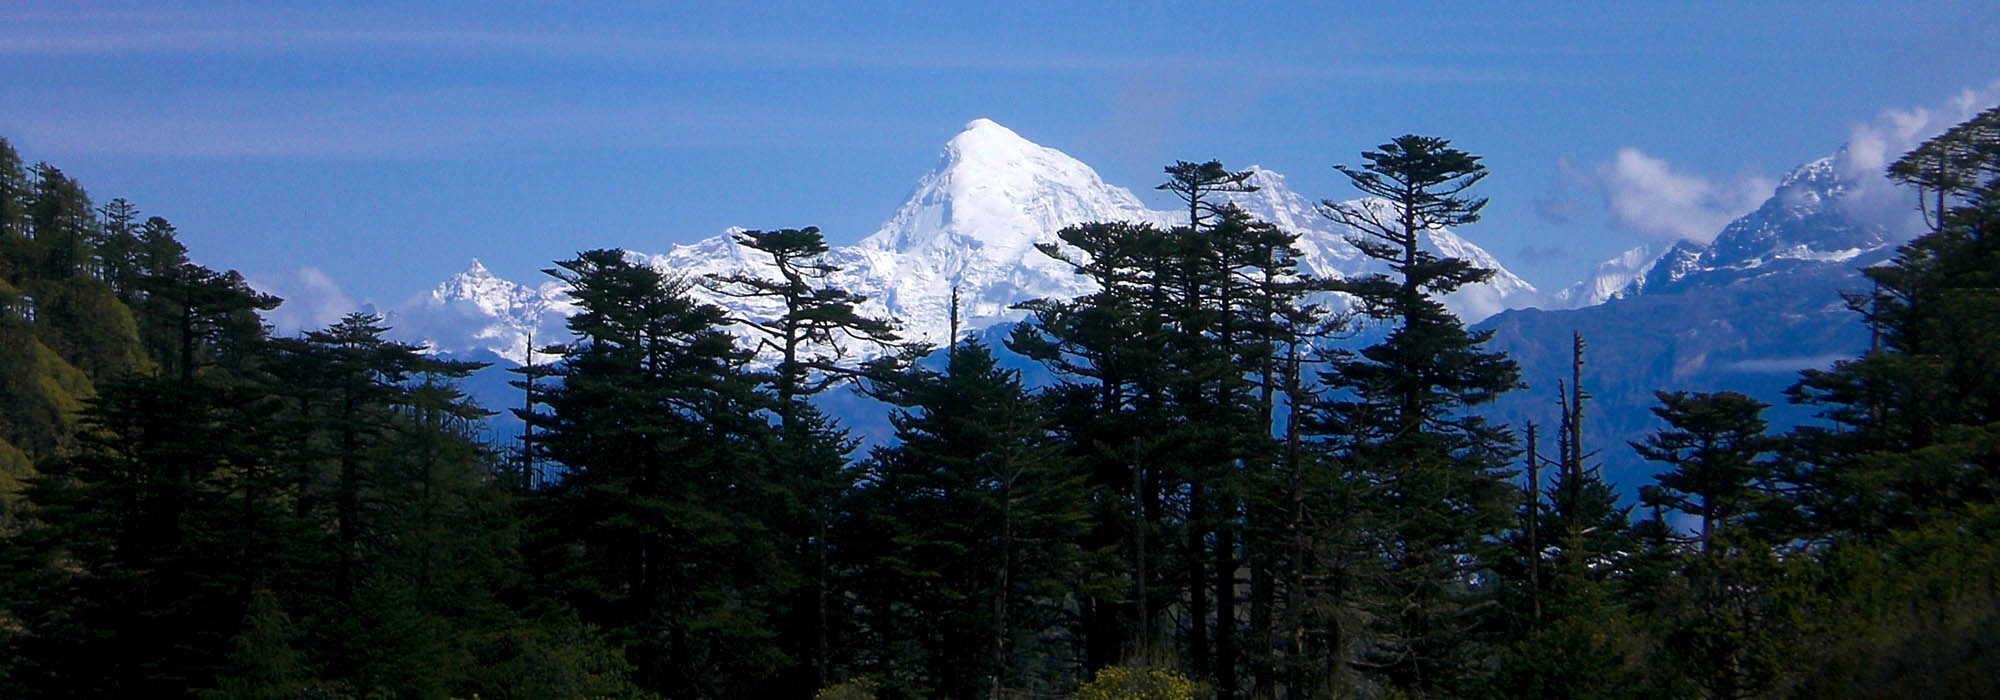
(1212, 499)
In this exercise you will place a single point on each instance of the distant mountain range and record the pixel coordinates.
(1743, 312)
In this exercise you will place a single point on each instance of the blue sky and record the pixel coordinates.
(365, 152)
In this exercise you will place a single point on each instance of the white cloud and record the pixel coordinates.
(1645, 194)
(1871, 147)
(312, 300)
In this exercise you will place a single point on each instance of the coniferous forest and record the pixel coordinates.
(1225, 493)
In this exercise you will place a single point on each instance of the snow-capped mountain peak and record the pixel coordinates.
(1802, 218)
(1804, 221)
(992, 188)
(478, 286)
(475, 310)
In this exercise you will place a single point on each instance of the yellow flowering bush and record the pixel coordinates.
(1128, 683)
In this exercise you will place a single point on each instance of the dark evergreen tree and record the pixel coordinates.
(1573, 636)
(1581, 513)
(1397, 414)
(185, 534)
(664, 523)
(978, 512)
(117, 247)
(1913, 432)
(354, 384)
(1109, 353)
(15, 189)
(813, 334)
(63, 221)
(136, 563)
(1730, 616)
(1209, 391)
(1713, 446)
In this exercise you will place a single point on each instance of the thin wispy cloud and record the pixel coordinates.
(361, 118)
(1786, 365)
(407, 124)
(56, 33)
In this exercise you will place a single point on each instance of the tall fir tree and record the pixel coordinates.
(813, 334)
(981, 513)
(1714, 447)
(1397, 413)
(1109, 351)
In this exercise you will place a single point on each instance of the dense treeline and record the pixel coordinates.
(1218, 487)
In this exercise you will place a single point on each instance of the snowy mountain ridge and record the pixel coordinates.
(972, 223)
(1804, 221)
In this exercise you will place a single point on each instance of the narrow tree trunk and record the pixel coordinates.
(1000, 586)
(1197, 578)
(1262, 662)
(1295, 564)
(1534, 544)
(1225, 606)
(1140, 499)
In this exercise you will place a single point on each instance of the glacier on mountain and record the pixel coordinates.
(1616, 278)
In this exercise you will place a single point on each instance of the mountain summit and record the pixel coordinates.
(992, 188)
(970, 224)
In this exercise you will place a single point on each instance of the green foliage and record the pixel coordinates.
(1913, 435)
(134, 549)
(1913, 615)
(1736, 619)
(60, 215)
(15, 470)
(85, 323)
(264, 665)
(308, 517)
(1588, 645)
(810, 340)
(46, 394)
(551, 655)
